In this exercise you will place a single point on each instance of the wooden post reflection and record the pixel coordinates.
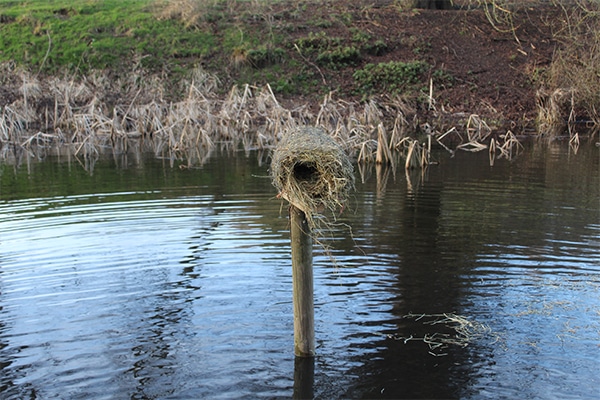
(304, 378)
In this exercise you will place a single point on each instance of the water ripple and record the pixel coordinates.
(185, 292)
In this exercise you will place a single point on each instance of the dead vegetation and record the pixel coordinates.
(312, 172)
(571, 92)
(569, 88)
(84, 118)
(452, 330)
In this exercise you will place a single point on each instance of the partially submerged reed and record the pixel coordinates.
(93, 116)
(479, 137)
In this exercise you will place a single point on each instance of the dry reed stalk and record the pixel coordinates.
(452, 131)
(30, 90)
(203, 83)
(414, 153)
(399, 129)
(572, 116)
(277, 118)
(492, 151)
(430, 99)
(42, 140)
(384, 155)
(13, 124)
(329, 113)
(595, 121)
(372, 113)
(553, 109)
(66, 95)
(367, 149)
(358, 140)
(510, 143)
(477, 129)
(412, 157)
(236, 113)
(4, 129)
(191, 127)
(426, 153)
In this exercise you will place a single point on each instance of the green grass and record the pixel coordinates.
(83, 35)
(234, 38)
(242, 40)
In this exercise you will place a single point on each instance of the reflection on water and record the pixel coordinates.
(152, 282)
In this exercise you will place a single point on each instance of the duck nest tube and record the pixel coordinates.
(311, 171)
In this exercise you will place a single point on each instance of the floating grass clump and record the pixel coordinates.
(457, 331)
(311, 171)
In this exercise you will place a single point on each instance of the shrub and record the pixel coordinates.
(265, 56)
(378, 48)
(393, 76)
(317, 42)
(339, 57)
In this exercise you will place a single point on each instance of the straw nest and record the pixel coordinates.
(311, 171)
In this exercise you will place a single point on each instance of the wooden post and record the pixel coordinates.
(302, 276)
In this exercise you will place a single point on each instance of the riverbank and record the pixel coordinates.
(181, 74)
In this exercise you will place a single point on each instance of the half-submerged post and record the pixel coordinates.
(302, 277)
(314, 174)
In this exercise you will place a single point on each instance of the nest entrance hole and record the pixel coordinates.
(306, 172)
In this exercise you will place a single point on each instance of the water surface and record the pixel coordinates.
(142, 281)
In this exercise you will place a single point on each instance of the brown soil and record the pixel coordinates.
(493, 70)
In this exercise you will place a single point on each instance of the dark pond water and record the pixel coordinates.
(141, 281)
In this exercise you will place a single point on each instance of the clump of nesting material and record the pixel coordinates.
(311, 171)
